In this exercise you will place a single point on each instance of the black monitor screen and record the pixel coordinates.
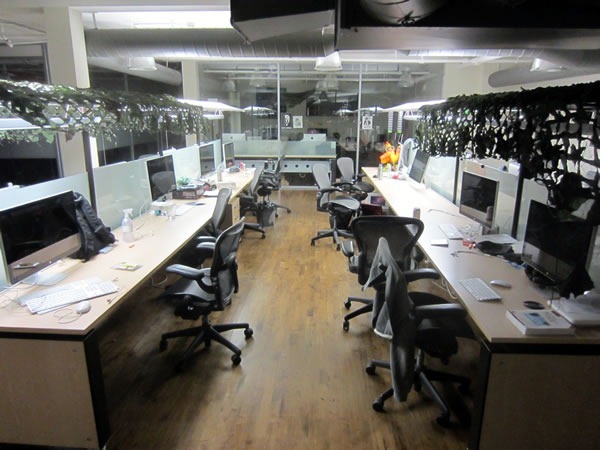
(228, 155)
(207, 159)
(161, 175)
(555, 244)
(36, 234)
(478, 198)
(417, 170)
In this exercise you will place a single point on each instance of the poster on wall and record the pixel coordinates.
(286, 121)
(297, 121)
(367, 122)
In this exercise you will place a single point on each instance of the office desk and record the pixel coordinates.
(51, 385)
(529, 386)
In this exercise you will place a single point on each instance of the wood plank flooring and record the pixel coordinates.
(301, 383)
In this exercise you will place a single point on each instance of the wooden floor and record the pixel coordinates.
(301, 383)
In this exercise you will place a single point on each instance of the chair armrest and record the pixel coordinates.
(187, 271)
(421, 274)
(206, 247)
(348, 248)
(445, 310)
(206, 239)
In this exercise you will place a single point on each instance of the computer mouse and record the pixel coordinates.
(501, 283)
(83, 307)
(532, 304)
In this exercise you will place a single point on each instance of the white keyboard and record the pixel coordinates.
(450, 231)
(182, 209)
(480, 290)
(51, 301)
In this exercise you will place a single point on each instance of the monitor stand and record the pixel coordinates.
(46, 277)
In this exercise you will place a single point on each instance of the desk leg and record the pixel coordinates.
(537, 396)
(52, 391)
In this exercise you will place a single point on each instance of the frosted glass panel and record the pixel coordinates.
(187, 162)
(16, 196)
(121, 186)
(439, 175)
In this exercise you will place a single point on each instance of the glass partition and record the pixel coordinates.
(121, 186)
(14, 196)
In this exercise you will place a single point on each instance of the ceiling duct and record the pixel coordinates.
(262, 19)
(194, 43)
(523, 74)
(161, 73)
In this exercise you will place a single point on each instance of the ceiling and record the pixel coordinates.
(511, 34)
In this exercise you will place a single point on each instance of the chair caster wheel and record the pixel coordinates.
(370, 369)
(163, 345)
(248, 332)
(378, 406)
(312, 243)
(347, 304)
(236, 360)
(443, 420)
(346, 325)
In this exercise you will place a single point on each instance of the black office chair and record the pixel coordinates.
(416, 324)
(202, 291)
(332, 198)
(402, 234)
(346, 167)
(269, 182)
(249, 203)
(205, 242)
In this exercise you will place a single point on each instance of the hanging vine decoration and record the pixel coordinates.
(546, 130)
(57, 108)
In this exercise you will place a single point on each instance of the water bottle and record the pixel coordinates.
(127, 226)
(380, 171)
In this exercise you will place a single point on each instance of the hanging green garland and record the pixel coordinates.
(56, 108)
(547, 130)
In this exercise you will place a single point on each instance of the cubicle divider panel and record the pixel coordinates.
(121, 186)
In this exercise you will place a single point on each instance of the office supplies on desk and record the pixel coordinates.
(583, 310)
(542, 322)
(450, 231)
(480, 290)
(78, 291)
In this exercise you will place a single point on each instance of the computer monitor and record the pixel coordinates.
(556, 244)
(419, 164)
(228, 155)
(207, 159)
(161, 175)
(36, 234)
(478, 197)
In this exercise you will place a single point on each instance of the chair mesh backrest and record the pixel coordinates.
(346, 167)
(220, 209)
(401, 234)
(224, 262)
(321, 174)
(395, 314)
(255, 180)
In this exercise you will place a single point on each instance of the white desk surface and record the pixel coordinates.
(157, 240)
(403, 196)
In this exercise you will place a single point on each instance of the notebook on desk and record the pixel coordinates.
(579, 313)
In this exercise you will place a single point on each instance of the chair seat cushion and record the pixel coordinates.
(346, 202)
